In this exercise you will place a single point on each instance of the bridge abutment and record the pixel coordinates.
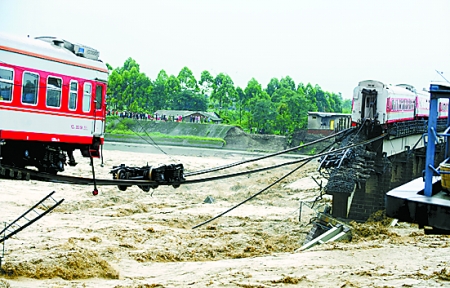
(394, 171)
(369, 197)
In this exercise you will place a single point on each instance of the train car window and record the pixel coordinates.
(87, 93)
(30, 88)
(54, 90)
(98, 97)
(6, 84)
(73, 93)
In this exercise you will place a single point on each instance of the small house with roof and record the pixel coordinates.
(206, 117)
(326, 123)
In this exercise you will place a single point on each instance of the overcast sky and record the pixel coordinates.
(334, 44)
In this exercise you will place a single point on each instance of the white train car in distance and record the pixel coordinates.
(384, 104)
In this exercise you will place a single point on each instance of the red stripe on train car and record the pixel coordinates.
(42, 137)
(53, 113)
(399, 120)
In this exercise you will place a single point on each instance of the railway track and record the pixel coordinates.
(149, 180)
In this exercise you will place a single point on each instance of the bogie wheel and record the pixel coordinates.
(122, 175)
(145, 188)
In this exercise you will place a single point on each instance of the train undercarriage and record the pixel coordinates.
(400, 129)
(49, 157)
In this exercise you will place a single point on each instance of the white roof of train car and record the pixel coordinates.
(391, 89)
(40, 49)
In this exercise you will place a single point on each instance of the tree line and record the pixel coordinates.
(279, 108)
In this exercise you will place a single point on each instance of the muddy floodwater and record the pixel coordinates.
(136, 239)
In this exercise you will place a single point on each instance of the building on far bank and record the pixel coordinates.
(326, 123)
(187, 116)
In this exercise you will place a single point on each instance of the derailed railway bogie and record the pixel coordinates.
(156, 175)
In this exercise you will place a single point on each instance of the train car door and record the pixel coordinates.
(98, 109)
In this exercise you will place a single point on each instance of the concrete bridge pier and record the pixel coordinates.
(392, 171)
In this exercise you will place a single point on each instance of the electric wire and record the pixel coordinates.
(266, 156)
(260, 192)
(153, 143)
(41, 176)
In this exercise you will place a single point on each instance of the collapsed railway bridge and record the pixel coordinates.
(359, 177)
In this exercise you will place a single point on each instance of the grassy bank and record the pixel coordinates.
(186, 134)
(164, 139)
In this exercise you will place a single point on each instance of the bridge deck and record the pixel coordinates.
(408, 203)
(393, 146)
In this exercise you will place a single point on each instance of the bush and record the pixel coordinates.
(312, 151)
(119, 126)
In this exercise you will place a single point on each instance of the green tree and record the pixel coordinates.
(283, 118)
(129, 64)
(223, 91)
(298, 112)
(273, 85)
(292, 110)
(206, 83)
(127, 85)
(187, 79)
(282, 107)
(242, 102)
(310, 94)
(347, 106)
(159, 93)
(263, 114)
(336, 102)
(253, 89)
(173, 87)
(115, 95)
(189, 100)
(287, 82)
(253, 94)
(323, 104)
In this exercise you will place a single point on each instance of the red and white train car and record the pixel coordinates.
(422, 102)
(386, 104)
(443, 108)
(52, 102)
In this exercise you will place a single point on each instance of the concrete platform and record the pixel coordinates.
(409, 204)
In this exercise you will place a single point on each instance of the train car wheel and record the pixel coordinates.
(121, 174)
